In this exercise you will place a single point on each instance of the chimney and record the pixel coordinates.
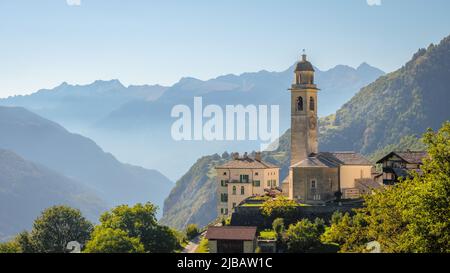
(245, 155)
(235, 156)
(258, 156)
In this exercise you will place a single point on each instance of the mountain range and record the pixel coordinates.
(389, 114)
(71, 159)
(134, 123)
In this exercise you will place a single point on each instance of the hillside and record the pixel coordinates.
(79, 158)
(389, 114)
(27, 188)
(403, 103)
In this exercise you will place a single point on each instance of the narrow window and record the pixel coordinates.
(312, 105)
(299, 104)
(313, 184)
(234, 190)
(242, 190)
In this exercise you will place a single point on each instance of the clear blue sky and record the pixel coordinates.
(46, 42)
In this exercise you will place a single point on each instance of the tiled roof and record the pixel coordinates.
(413, 157)
(231, 233)
(317, 161)
(333, 160)
(246, 163)
(351, 158)
(367, 184)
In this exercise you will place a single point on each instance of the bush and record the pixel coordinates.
(278, 227)
(279, 207)
(192, 231)
(304, 236)
(108, 240)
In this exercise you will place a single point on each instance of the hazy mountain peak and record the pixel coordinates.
(367, 68)
(114, 83)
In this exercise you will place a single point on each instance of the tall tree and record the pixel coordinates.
(54, 228)
(140, 222)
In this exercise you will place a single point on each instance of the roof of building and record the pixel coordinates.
(317, 161)
(351, 158)
(231, 233)
(246, 163)
(333, 160)
(412, 157)
(367, 184)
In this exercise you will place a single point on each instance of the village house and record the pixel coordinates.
(231, 239)
(396, 165)
(243, 177)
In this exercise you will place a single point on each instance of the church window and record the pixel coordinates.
(242, 190)
(299, 104)
(313, 184)
(312, 105)
(234, 190)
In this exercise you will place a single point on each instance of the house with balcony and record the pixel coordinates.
(396, 165)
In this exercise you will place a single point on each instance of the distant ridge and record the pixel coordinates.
(79, 158)
(27, 188)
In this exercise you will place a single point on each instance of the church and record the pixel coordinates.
(318, 177)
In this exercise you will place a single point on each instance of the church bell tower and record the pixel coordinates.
(304, 123)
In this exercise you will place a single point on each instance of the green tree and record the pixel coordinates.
(412, 216)
(25, 242)
(140, 222)
(54, 228)
(108, 240)
(10, 247)
(347, 232)
(304, 236)
(192, 231)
